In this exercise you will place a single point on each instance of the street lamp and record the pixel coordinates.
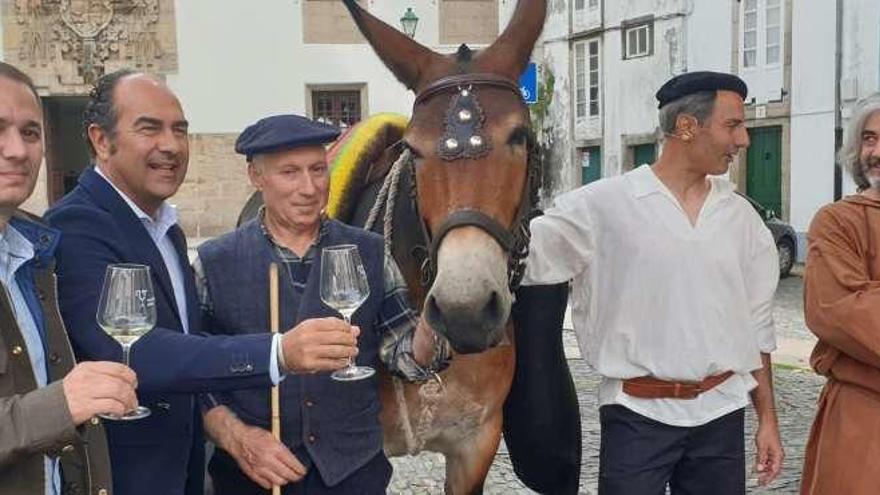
(408, 22)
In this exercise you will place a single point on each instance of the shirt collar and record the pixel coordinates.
(283, 252)
(645, 182)
(15, 249)
(166, 215)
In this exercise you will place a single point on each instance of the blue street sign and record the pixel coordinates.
(528, 84)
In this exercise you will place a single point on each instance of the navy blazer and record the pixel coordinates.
(163, 453)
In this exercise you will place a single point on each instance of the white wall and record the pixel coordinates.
(812, 110)
(860, 71)
(708, 33)
(552, 55)
(766, 82)
(630, 85)
(558, 137)
(239, 64)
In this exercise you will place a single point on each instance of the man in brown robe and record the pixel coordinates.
(842, 307)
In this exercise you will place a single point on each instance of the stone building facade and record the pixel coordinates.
(230, 63)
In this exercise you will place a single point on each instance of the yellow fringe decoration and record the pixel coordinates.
(350, 156)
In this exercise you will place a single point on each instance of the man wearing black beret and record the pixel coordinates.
(673, 282)
(331, 437)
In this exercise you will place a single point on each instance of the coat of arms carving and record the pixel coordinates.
(91, 34)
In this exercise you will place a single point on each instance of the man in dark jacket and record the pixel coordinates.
(50, 441)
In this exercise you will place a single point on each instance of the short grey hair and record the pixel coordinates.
(849, 156)
(698, 105)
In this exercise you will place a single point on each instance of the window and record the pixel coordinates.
(586, 77)
(580, 80)
(468, 21)
(774, 32)
(638, 40)
(339, 108)
(594, 77)
(750, 33)
(762, 33)
(579, 4)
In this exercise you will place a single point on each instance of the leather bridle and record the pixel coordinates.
(463, 121)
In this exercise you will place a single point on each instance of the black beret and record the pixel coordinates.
(281, 132)
(694, 82)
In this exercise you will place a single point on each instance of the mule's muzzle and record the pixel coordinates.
(469, 328)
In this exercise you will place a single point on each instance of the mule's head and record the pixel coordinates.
(470, 137)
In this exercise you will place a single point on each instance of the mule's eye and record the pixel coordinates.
(518, 137)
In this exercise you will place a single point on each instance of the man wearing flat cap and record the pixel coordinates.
(673, 283)
(331, 437)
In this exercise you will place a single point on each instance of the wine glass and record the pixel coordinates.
(126, 311)
(344, 288)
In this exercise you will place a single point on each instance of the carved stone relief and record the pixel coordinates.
(67, 44)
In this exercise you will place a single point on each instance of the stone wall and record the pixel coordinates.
(216, 186)
(65, 45)
(209, 200)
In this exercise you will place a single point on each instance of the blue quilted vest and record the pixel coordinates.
(335, 423)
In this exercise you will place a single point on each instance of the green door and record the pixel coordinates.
(644, 154)
(764, 167)
(591, 164)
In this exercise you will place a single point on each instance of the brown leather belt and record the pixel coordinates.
(648, 387)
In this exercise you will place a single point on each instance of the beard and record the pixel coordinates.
(871, 172)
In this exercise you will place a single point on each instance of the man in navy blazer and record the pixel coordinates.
(137, 134)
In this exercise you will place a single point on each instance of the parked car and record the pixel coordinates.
(783, 234)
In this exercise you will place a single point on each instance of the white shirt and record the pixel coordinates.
(654, 295)
(166, 217)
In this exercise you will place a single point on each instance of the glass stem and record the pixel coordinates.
(347, 319)
(126, 351)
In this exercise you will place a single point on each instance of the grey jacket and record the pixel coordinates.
(36, 421)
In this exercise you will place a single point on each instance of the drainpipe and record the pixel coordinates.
(838, 118)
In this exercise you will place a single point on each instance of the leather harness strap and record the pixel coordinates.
(648, 387)
(463, 81)
(513, 239)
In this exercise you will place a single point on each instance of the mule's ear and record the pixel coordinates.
(406, 58)
(510, 53)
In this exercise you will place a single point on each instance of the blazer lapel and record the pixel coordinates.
(136, 234)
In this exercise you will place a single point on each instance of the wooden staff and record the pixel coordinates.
(274, 319)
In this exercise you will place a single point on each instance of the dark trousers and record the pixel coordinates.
(640, 456)
(371, 479)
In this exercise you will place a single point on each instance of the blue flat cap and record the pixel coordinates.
(695, 82)
(281, 132)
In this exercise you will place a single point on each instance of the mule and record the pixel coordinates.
(453, 193)
(473, 171)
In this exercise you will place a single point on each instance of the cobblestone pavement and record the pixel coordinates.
(796, 393)
(789, 307)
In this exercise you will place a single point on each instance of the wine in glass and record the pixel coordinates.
(344, 287)
(126, 311)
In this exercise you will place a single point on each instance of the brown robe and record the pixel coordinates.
(842, 307)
